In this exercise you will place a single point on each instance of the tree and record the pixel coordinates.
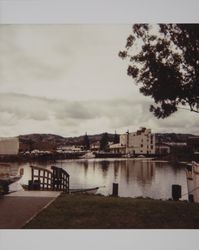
(116, 138)
(86, 142)
(104, 142)
(164, 61)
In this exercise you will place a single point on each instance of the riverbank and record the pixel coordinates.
(99, 212)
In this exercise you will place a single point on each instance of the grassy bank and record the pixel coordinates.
(98, 212)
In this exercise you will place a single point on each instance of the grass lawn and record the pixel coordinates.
(81, 211)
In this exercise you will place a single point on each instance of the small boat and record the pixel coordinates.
(84, 190)
(11, 179)
(72, 191)
(88, 155)
(6, 180)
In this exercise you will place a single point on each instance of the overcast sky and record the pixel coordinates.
(68, 80)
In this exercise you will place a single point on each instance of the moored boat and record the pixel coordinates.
(192, 174)
(84, 190)
(72, 191)
(88, 155)
(8, 179)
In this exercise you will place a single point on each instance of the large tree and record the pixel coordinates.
(164, 62)
(86, 142)
(104, 142)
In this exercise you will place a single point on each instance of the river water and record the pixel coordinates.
(136, 177)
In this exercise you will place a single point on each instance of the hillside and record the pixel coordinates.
(51, 141)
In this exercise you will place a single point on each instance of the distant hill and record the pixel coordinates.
(172, 137)
(51, 141)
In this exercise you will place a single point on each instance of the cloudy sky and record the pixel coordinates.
(68, 80)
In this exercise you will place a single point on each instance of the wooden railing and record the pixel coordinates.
(60, 179)
(44, 179)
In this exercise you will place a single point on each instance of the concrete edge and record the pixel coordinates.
(40, 210)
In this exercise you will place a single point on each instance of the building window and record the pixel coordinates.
(151, 146)
(141, 145)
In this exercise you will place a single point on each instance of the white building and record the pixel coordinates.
(140, 142)
(9, 145)
(69, 149)
(117, 148)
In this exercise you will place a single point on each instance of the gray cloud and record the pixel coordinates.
(72, 117)
(68, 79)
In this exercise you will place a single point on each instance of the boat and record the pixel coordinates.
(88, 155)
(192, 174)
(84, 190)
(72, 191)
(8, 179)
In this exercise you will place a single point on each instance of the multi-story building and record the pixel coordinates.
(140, 142)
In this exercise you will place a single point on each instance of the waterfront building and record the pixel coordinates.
(117, 148)
(95, 146)
(140, 142)
(9, 145)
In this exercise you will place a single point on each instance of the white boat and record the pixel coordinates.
(8, 179)
(88, 155)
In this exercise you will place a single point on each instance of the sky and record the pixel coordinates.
(69, 80)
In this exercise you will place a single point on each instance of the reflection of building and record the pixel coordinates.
(138, 171)
(9, 146)
(136, 143)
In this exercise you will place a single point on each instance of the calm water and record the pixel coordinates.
(140, 177)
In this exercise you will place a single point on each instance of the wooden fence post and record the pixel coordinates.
(176, 192)
(115, 189)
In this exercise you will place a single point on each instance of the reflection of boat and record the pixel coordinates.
(84, 190)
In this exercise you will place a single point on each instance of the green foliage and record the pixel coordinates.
(164, 61)
(104, 142)
(116, 138)
(86, 142)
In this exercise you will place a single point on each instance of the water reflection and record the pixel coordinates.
(135, 177)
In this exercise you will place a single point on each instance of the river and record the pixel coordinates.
(136, 177)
